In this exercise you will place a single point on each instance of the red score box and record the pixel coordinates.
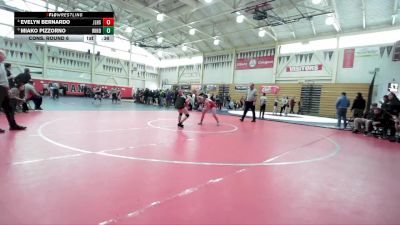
(108, 21)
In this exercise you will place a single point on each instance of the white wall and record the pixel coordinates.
(218, 68)
(254, 76)
(169, 74)
(364, 65)
(57, 63)
(303, 59)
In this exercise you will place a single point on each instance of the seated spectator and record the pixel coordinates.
(14, 94)
(365, 121)
(32, 94)
(377, 119)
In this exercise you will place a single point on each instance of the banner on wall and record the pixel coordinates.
(211, 88)
(185, 87)
(348, 58)
(305, 68)
(255, 63)
(367, 51)
(76, 89)
(196, 87)
(269, 89)
(241, 88)
(396, 51)
(167, 86)
(393, 87)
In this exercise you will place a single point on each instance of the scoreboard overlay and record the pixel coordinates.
(64, 26)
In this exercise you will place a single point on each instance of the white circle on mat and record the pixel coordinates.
(233, 127)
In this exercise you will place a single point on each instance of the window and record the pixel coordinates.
(384, 37)
(309, 47)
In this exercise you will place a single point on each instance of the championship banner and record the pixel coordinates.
(195, 87)
(255, 63)
(269, 89)
(367, 51)
(393, 87)
(167, 86)
(185, 87)
(211, 88)
(306, 68)
(241, 88)
(348, 58)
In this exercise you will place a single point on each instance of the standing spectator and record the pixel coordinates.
(227, 101)
(250, 102)
(292, 103)
(342, 103)
(24, 77)
(285, 104)
(358, 106)
(212, 98)
(393, 104)
(5, 98)
(55, 90)
(32, 94)
(219, 102)
(299, 105)
(10, 77)
(276, 103)
(263, 103)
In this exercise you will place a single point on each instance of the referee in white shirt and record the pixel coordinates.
(5, 98)
(250, 103)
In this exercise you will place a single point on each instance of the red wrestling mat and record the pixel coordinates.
(138, 168)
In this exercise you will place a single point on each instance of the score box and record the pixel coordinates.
(108, 30)
(108, 21)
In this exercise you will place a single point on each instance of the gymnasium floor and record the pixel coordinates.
(83, 163)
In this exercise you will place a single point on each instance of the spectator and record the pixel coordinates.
(24, 77)
(292, 103)
(263, 103)
(366, 121)
(5, 98)
(299, 105)
(276, 103)
(10, 77)
(32, 94)
(342, 103)
(358, 106)
(14, 94)
(285, 104)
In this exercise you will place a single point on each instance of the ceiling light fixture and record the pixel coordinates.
(160, 17)
(160, 40)
(192, 31)
(128, 29)
(216, 42)
(240, 19)
(330, 20)
(261, 33)
(316, 2)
